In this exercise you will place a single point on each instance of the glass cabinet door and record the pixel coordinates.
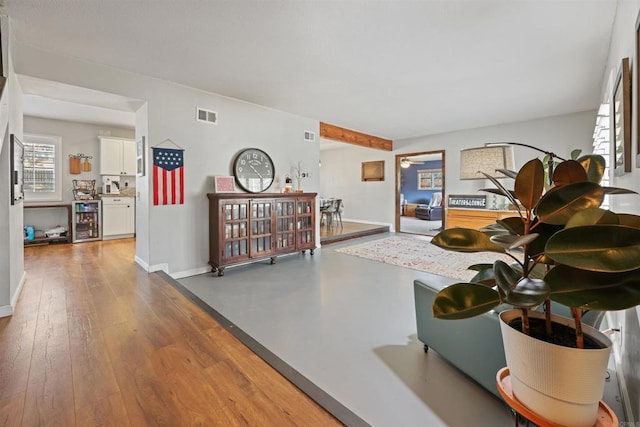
(261, 227)
(285, 225)
(236, 229)
(305, 224)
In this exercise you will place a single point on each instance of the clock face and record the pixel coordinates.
(253, 170)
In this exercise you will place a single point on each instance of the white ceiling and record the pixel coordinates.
(394, 69)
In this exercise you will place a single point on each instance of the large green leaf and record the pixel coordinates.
(569, 172)
(559, 205)
(592, 216)
(506, 277)
(629, 220)
(465, 240)
(544, 231)
(530, 183)
(464, 300)
(528, 293)
(594, 290)
(617, 190)
(594, 164)
(510, 241)
(514, 224)
(606, 248)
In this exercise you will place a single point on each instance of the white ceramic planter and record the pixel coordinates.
(561, 384)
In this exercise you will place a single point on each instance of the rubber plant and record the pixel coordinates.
(564, 247)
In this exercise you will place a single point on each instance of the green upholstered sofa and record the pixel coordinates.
(472, 345)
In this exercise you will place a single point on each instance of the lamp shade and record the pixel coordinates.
(487, 160)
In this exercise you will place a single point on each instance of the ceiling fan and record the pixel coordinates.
(405, 162)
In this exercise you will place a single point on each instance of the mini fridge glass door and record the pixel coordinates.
(87, 220)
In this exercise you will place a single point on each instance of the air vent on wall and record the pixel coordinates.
(309, 136)
(207, 116)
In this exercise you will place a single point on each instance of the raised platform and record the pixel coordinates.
(349, 230)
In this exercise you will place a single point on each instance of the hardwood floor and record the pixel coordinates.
(95, 340)
(349, 230)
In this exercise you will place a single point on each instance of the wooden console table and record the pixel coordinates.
(475, 218)
(47, 240)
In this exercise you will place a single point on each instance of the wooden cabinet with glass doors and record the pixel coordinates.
(250, 227)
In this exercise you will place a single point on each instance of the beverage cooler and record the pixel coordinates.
(87, 220)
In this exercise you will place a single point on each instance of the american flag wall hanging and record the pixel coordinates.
(168, 176)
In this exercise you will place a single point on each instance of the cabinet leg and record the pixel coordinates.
(426, 348)
(311, 251)
(214, 269)
(273, 260)
(220, 271)
(304, 251)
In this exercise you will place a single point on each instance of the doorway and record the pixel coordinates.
(420, 192)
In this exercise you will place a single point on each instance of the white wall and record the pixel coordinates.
(11, 226)
(623, 45)
(375, 201)
(177, 240)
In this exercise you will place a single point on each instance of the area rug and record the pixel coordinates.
(420, 254)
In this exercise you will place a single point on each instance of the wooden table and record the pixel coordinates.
(605, 418)
(410, 209)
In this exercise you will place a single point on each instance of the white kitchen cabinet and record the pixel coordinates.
(118, 217)
(117, 156)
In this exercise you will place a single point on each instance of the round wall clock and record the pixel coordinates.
(253, 170)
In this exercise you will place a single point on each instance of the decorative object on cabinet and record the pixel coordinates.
(622, 120)
(223, 184)
(299, 176)
(16, 156)
(84, 189)
(373, 171)
(245, 228)
(473, 201)
(140, 156)
(168, 175)
(117, 156)
(253, 170)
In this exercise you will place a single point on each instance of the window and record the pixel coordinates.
(429, 179)
(42, 171)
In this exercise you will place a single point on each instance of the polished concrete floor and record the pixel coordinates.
(413, 225)
(348, 325)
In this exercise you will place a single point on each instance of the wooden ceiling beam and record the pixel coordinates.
(337, 133)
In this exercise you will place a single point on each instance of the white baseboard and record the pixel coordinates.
(6, 311)
(14, 299)
(192, 272)
(158, 267)
(141, 263)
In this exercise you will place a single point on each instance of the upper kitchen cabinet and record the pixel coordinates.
(117, 156)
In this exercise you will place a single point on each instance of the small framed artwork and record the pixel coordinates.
(622, 120)
(16, 155)
(223, 184)
(140, 157)
(373, 171)
(428, 179)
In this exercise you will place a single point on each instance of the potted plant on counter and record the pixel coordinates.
(565, 248)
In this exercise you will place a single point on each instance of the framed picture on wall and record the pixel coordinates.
(621, 125)
(140, 157)
(429, 179)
